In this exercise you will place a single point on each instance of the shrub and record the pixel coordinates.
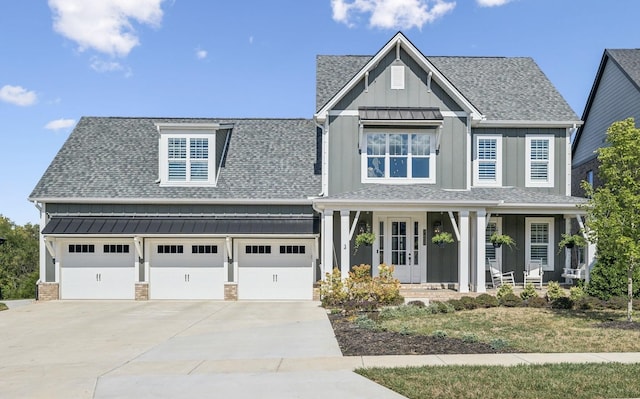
(402, 311)
(575, 293)
(486, 301)
(456, 303)
(528, 292)
(510, 300)
(440, 334)
(469, 337)
(588, 302)
(536, 302)
(365, 323)
(332, 290)
(607, 280)
(499, 343)
(616, 302)
(468, 302)
(3, 307)
(416, 303)
(554, 291)
(504, 290)
(562, 303)
(442, 307)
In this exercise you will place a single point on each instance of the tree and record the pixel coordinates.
(613, 220)
(19, 258)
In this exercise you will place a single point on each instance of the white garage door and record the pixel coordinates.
(97, 270)
(275, 269)
(187, 269)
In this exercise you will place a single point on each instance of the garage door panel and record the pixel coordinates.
(186, 283)
(97, 283)
(286, 283)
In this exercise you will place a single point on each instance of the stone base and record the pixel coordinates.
(48, 291)
(230, 291)
(142, 291)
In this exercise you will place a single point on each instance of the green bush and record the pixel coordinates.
(3, 307)
(606, 280)
(562, 302)
(469, 302)
(536, 302)
(499, 343)
(616, 302)
(440, 334)
(456, 303)
(554, 291)
(486, 301)
(441, 307)
(510, 300)
(576, 293)
(588, 302)
(528, 292)
(504, 290)
(365, 323)
(469, 338)
(416, 303)
(332, 291)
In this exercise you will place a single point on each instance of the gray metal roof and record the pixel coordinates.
(399, 113)
(182, 225)
(429, 193)
(501, 88)
(117, 158)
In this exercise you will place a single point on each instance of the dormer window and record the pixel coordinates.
(187, 154)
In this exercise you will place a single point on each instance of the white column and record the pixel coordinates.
(228, 253)
(327, 241)
(57, 263)
(463, 252)
(43, 246)
(147, 256)
(481, 225)
(345, 259)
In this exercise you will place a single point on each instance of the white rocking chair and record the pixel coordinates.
(533, 272)
(499, 278)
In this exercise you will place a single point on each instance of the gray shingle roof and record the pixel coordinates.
(103, 157)
(424, 192)
(501, 88)
(629, 62)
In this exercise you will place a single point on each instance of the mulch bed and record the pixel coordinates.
(620, 324)
(356, 341)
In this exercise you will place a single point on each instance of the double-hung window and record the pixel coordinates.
(539, 241)
(539, 161)
(398, 157)
(488, 161)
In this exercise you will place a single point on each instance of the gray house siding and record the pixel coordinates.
(616, 99)
(442, 263)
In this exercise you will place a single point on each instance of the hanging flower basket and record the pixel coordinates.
(498, 239)
(441, 239)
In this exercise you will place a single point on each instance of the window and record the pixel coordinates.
(539, 159)
(589, 177)
(204, 249)
(257, 249)
(292, 249)
(399, 157)
(539, 241)
(116, 248)
(192, 165)
(82, 248)
(488, 162)
(490, 252)
(170, 249)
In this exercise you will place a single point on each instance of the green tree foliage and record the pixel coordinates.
(613, 220)
(19, 258)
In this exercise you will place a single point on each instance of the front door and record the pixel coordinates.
(403, 254)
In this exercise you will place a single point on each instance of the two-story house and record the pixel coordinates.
(401, 144)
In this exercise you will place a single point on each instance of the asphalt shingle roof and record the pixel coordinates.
(105, 157)
(629, 62)
(501, 88)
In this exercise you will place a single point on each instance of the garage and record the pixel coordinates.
(275, 269)
(97, 270)
(186, 269)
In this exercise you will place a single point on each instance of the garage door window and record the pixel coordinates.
(292, 249)
(258, 249)
(116, 249)
(170, 249)
(204, 249)
(82, 248)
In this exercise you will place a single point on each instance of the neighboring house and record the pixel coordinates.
(615, 96)
(401, 144)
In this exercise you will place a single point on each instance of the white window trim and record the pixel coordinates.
(398, 180)
(551, 245)
(164, 157)
(551, 166)
(498, 222)
(476, 163)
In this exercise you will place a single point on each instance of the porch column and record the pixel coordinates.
(345, 259)
(463, 252)
(481, 226)
(56, 264)
(327, 242)
(43, 246)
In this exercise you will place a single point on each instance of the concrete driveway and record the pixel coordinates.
(157, 349)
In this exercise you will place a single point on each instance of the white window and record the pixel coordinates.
(399, 157)
(491, 252)
(539, 241)
(187, 159)
(539, 159)
(488, 162)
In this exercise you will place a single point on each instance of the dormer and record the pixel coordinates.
(191, 154)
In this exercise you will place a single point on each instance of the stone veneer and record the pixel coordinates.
(230, 291)
(142, 291)
(48, 291)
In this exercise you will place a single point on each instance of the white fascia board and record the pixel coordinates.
(193, 126)
(322, 114)
(523, 123)
(537, 208)
(173, 201)
(401, 205)
(356, 113)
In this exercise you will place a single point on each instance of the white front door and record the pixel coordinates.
(401, 239)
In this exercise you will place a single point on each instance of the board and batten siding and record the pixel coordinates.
(616, 99)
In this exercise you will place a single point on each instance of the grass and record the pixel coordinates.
(3, 307)
(525, 329)
(549, 381)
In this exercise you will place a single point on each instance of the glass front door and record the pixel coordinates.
(401, 242)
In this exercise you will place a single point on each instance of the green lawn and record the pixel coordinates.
(562, 381)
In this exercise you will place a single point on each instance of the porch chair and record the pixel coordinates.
(533, 272)
(570, 274)
(499, 278)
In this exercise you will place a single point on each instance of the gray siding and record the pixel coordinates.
(186, 209)
(616, 99)
(442, 263)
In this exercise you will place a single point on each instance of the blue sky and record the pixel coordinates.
(64, 59)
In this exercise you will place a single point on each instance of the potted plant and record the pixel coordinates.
(571, 240)
(442, 238)
(364, 238)
(498, 239)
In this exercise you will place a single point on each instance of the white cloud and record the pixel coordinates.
(201, 54)
(391, 14)
(104, 25)
(100, 65)
(492, 3)
(60, 124)
(18, 95)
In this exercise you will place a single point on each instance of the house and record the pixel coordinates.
(614, 96)
(401, 144)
